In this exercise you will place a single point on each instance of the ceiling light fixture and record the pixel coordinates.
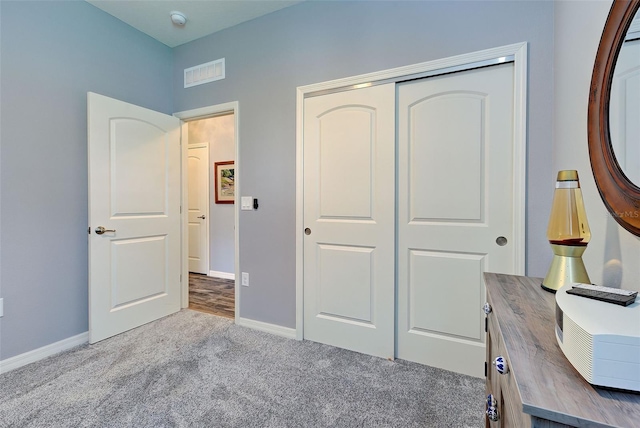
(178, 18)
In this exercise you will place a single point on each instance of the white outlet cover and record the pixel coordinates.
(245, 279)
(246, 203)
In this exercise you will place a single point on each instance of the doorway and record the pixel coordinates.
(211, 185)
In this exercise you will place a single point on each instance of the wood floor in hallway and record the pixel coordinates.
(212, 295)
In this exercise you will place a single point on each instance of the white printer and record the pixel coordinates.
(601, 340)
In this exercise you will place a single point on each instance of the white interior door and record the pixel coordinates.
(134, 193)
(624, 117)
(455, 187)
(349, 170)
(198, 210)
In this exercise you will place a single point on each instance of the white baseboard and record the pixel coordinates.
(278, 330)
(44, 352)
(223, 275)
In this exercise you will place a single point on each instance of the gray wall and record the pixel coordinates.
(613, 253)
(219, 132)
(52, 54)
(267, 58)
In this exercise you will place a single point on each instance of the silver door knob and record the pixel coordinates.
(502, 241)
(202, 217)
(100, 230)
(307, 231)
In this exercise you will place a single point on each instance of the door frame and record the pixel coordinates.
(516, 53)
(196, 114)
(201, 145)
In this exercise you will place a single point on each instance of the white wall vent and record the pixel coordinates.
(204, 73)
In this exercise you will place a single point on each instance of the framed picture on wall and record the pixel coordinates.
(225, 182)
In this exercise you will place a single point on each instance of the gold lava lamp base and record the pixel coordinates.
(567, 267)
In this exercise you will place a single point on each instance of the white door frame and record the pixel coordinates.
(516, 52)
(203, 113)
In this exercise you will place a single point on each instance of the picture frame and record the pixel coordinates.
(225, 182)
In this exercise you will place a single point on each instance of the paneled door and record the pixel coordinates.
(349, 173)
(198, 209)
(134, 216)
(455, 211)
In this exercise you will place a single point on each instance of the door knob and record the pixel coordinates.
(100, 230)
(307, 231)
(501, 240)
(202, 217)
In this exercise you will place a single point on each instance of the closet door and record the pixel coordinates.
(455, 207)
(349, 173)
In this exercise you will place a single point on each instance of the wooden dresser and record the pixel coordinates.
(541, 388)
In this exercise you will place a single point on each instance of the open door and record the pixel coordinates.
(134, 216)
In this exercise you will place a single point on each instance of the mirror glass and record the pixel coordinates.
(624, 107)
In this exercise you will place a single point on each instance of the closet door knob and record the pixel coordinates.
(307, 231)
(202, 217)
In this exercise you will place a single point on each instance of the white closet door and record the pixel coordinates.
(349, 176)
(455, 148)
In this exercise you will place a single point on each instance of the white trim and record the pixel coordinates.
(42, 353)
(520, 82)
(223, 275)
(184, 219)
(519, 51)
(278, 330)
(201, 113)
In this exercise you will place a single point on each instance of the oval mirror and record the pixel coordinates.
(614, 115)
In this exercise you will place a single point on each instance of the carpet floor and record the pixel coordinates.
(193, 369)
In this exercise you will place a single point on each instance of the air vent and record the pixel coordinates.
(204, 73)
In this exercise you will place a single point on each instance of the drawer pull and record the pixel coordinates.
(487, 308)
(501, 365)
(492, 408)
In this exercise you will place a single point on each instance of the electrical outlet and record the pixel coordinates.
(2, 307)
(245, 279)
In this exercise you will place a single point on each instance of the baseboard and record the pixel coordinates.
(44, 352)
(278, 330)
(223, 275)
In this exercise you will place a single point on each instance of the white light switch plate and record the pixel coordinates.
(246, 203)
(245, 279)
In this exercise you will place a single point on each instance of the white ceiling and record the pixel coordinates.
(203, 16)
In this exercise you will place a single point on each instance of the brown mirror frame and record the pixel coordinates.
(621, 196)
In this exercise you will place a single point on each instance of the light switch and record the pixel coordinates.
(246, 203)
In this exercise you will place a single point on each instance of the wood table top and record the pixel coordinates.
(549, 386)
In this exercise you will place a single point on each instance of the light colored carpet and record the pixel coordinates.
(197, 370)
